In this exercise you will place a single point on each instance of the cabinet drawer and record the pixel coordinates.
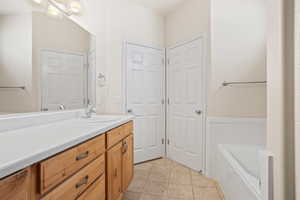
(73, 187)
(58, 168)
(96, 191)
(16, 187)
(116, 135)
(129, 128)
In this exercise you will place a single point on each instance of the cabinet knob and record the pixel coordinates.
(198, 112)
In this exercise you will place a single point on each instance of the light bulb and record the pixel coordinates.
(52, 11)
(38, 1)
(75, 6)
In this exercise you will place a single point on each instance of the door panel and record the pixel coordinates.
(114, 172)
(185, 92)
(145, 95)
(63, 73)
(127, 173)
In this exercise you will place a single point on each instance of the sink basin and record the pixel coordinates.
(103, 119)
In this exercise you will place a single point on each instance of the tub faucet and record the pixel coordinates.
(89, 110)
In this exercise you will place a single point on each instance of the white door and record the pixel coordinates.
(145, 99)
(63, 80)
(186, 107)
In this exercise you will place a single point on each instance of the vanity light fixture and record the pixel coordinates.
(53, 11)
(58, 7)
(38, 1)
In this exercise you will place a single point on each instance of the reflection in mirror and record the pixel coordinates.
(46, 63)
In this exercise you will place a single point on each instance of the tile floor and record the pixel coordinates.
(164, 179)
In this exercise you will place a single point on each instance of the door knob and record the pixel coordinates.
(129, 111)
(198, 112)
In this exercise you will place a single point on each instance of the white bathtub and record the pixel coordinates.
(244, 172)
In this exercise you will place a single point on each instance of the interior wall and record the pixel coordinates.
(93, 19)
(238, 53)
(226, 24)
(16, 63)
(188, 21)
(297, 97)
(127, 21)
(113, 22)
(280, 120)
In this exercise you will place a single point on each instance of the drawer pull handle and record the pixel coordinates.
(125, 148)
(82, 156)
(84, 181)
(116, 172)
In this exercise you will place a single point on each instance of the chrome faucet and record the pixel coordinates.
(89, 110)
(61, 107)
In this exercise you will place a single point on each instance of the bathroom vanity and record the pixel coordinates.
(96, 164)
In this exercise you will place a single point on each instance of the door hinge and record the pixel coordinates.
(163, 141)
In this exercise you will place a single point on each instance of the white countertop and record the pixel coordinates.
(23, 147)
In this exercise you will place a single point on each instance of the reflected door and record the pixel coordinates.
(186, 108)
(63, 80)
(145, 99)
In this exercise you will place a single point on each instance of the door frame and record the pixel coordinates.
(205, 81)
(124, 85)
(43, 74)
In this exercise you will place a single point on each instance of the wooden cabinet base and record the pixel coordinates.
(98, 169)
(17, 186)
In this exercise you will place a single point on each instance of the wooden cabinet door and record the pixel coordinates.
(114, 172)
(95, 191)
(127, 162)
(16, 187)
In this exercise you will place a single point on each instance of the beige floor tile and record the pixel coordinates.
(177, 177)
(201, 193)
(140, 173)
(164, 179)
(163, 163)
(137, 185)
(180, 168)
(151, 197)
(155, 188)
(159, 175)
(132, 196)
(177, 191)
(144, 166)
(202, 181)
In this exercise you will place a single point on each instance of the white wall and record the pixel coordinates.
(237, 30)
(16, 63)
(188, 21)
(93, 19)
(280, 100)
(113, 21)
(130, 22)
(238, 53)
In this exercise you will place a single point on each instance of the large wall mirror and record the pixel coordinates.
(46, 63)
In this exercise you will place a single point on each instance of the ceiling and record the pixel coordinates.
(14, 7)
(162, 6)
